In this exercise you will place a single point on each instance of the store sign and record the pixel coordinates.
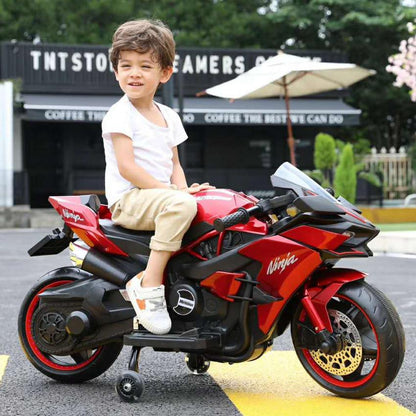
(189, 63)
(85, 116)
(50, 68)
(208, 118)
(74, 115)
(262, 119)
(61, 61)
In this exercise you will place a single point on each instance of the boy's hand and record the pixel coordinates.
(196, 187)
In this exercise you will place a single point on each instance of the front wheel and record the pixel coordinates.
(372, 342)
(72, 368)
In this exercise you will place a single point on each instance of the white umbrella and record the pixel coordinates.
(290, 76)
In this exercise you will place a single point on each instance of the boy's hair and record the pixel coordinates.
(143, 36)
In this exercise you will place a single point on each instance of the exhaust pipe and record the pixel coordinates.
(105, 267)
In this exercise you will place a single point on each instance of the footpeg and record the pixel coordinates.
(173, 341)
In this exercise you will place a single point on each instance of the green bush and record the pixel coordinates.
(324, 154)
(362, 147)
(345, 182)
(339, 146)
(371, 178)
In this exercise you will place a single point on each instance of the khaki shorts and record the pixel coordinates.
(168, 212)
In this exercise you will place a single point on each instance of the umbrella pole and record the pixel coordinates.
(290, 139)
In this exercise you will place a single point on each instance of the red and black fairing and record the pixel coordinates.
(82, 216)
(280, 263)
(244, 277)
(238, 280)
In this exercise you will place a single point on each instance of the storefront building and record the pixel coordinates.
(64, 92)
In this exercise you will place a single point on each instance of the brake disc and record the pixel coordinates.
(349, 358)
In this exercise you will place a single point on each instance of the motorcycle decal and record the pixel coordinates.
(72, 215)
(186, 302)
(213, 198)
(280, 263)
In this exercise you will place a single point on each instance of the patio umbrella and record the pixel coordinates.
(289, 76)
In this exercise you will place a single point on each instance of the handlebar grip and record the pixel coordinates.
(282, 201)
(241, 216)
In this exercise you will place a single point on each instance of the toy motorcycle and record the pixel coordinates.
(246, 270)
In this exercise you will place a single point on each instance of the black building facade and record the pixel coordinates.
(64, 92)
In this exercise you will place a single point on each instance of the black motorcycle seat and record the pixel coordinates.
(137, 242)
(130, 241)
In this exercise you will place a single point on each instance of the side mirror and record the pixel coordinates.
(330, 191)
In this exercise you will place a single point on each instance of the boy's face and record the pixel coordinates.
(139, 75)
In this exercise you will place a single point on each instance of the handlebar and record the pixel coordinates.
(242, 215)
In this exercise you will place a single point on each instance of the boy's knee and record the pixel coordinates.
(189, 206)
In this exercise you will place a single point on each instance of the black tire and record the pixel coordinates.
(197, 363)
(130, 386)
(75, 368)
(371, 354)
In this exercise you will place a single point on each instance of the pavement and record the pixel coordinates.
(276, 384)
(394, 242)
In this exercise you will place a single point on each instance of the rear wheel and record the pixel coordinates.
(73, 368)
(372, 343)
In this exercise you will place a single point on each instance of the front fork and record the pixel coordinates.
(315, 300)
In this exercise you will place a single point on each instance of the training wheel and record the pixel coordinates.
(130, 386)
(197, 363)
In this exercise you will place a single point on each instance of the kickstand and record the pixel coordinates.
(134, 359)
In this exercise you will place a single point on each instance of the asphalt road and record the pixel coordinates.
(170, 389)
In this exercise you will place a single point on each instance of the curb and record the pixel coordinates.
(401, 242)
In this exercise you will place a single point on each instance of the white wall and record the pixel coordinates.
(6, 144)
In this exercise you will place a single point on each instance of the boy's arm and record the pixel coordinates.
(129, 170)
(178, 176)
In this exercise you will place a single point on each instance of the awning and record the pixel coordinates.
(199, 111)
(78, 108)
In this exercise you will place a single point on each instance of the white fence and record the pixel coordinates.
(398, 177)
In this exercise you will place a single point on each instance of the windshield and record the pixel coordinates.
(289, 177)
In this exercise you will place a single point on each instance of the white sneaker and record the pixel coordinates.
(150, 305)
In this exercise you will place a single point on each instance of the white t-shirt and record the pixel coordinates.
(152, 144)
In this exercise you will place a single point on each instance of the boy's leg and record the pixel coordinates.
(155, 268)
(170, 214)
(147, 294)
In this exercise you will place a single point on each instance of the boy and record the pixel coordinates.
(145, 184)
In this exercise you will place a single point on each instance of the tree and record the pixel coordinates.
(63, 21)
(403, 64)
(209, 23)
(324, 155)
(345, 175)
(368, 32)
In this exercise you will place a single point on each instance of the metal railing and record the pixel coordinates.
(398, 176)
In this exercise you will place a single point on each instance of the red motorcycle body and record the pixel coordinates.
(245, 271)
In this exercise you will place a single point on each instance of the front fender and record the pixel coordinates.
(336, 275)
(326, 284)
